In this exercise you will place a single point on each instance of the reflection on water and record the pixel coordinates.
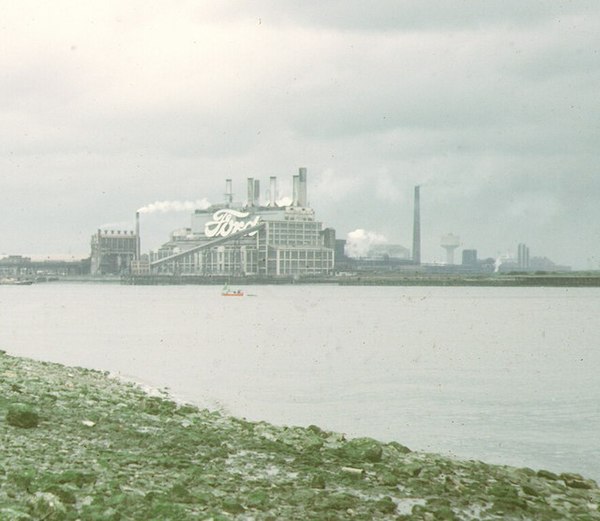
(506, 375)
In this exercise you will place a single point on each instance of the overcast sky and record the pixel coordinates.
(492, 107)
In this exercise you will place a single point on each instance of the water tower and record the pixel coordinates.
(450, 242)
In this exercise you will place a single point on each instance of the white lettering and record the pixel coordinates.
(225, 222)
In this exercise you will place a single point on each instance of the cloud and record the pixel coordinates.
(333, 187)
(493, 109)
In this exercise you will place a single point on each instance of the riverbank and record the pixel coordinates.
(391, 278)
(79, 444)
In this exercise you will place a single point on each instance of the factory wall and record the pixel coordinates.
(112, 252)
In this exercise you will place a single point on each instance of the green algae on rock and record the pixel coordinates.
(21, 415)
(103, 449)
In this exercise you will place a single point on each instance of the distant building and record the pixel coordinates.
(15, 266)
(329, 240)
(112, 251)
(388, 251)
(545, 264)
(340, 251)
(523, 257)
(469, 258)
(378, 258)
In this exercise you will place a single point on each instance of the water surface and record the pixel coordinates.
(506, 375)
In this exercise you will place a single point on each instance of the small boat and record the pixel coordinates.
(15, 282)
(227, 292)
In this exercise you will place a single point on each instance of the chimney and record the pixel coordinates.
(228, 192)
(296, 187)
(256, 192)
(137, 236)
(416, 253)
(302, 198)
(250, 191)
(273, 191)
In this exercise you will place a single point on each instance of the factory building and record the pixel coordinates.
(251, 238)
(113, 251)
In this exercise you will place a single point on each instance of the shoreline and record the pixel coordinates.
(99, 448)
(401, 278)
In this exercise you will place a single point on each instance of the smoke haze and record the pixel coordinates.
(174, 206)
(359, 242)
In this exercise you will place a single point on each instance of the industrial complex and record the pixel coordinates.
(262, 237)
(267, 238)
(250, 238)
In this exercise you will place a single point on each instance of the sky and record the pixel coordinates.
(493, 108)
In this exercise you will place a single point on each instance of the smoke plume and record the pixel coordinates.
(174, 206)
(284, 201)
(359, 242)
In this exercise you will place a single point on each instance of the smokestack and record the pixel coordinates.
(228, 192)
(416, 253)
(137, 236)
(250, 191)
(273, 191)
(302, 197)
(256, 192)
(296, 180)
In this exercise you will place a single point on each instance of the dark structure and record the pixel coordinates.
(523, 257)
(416, 253)
(469, 258)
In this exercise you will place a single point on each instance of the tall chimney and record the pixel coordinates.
(228, 192)
(137, 236)
(256, 192)
(416, 253)
(296, 186)
(302, 197)
(273, 191)
(250, 191)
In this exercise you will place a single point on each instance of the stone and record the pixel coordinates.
(318, 481)
(46, 506)
(338, 501)
(546, 474)
(257, 499)
(363, 450)
(578, 483)
(232, 505)
(23, 416)
(403, 449)
(386, 505)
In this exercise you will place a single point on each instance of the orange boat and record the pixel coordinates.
(231, 292)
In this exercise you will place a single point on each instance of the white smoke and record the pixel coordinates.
(497, 264)
(501, 259)
(175, 206)
(359, 242)
(284, 201)
(121, 225)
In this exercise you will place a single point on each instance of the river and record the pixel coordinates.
(504, 375)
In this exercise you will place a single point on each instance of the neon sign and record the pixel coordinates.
(225, 222)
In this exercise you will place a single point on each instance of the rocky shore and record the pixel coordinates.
(80, 444)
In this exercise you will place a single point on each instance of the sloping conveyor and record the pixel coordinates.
(205, 246)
